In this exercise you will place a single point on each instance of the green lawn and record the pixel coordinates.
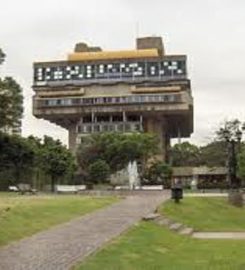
(151, 247)
(206, 214)
(22, 216)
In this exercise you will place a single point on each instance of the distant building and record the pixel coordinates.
(201, 175)
(126, 91)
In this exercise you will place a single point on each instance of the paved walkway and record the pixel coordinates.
(219, 235)
(61, 247)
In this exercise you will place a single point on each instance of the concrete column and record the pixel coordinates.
(141, 122)
(92, 122)
(179, 136)
(124, 120)
(72, 135)
(124, 117)
(158, 126)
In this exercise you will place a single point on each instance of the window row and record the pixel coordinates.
(109, 71)
(111, 100)
(124, 127)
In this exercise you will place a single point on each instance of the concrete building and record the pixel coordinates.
(126, 91)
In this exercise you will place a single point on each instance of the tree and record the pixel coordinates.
(16, 155)
(241, 164)
(116, 149)
(26, 159)
(231, 133)
(11, 101)
(56, 160)
(185, 154)
(230, 130)
(99, 171)
(158, 173)
(213, 154)
(2, 56)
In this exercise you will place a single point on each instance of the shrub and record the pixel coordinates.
(158, 173)
(98, 172)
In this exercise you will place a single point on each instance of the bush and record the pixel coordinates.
(212, 184)
(98, 172)
(159, 173)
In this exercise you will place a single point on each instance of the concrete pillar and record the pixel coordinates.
(72, 135)
(92, 122)
(179, 136)
(124, 121)
(141, 122)
(124, 117)
(158, 126)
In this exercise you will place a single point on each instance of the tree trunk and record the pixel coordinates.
(53, 181)
(235, 198)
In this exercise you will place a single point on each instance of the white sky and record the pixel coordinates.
(210, 32)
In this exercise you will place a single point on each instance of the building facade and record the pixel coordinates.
(140, 90)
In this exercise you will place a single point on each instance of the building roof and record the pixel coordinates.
(111, 55)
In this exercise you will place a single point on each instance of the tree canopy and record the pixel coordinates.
(241, 164)
(213, 154)
(230, 130)
(2, 56)
(11, 101)
(56, 160)
(22, 158)
(185, 154)
(16, 155)
(116, 149)
(158, 173)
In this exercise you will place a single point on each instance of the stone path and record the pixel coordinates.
(61, 247)
(185, 230)
(219, 235)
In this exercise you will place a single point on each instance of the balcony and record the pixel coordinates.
(88, 128)
(120, 100)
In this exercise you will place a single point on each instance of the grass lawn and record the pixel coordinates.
(151, 247)
(206, 214)
(22, 216)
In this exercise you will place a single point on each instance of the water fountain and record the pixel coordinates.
(133, 175)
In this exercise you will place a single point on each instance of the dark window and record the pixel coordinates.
(87, 119)
(76, 101)
(87, 101)
(96, 128)
(117, 118)
(133, 118)
(89, 129)
(103, 118)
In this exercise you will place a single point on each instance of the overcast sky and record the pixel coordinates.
(210, 32)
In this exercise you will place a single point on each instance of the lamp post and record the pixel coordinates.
(233, 147)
